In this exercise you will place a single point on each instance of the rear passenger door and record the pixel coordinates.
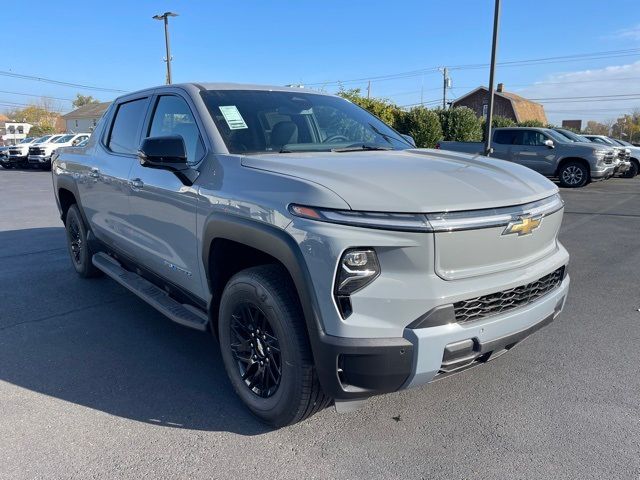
(162, 208)
(530, 150)
(502, 143)
(103, 185)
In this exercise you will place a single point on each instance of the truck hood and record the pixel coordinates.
(419, 180)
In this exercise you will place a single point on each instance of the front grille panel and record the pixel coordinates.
(500, 302)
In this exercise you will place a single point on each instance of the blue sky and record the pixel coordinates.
(117, 45)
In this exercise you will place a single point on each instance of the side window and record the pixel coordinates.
(124, 131)
(504, 137)
(533, 138)
(173, 116)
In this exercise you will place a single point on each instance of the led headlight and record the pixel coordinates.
(358, 267)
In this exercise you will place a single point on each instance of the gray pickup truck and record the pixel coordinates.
(547, 152)
(330, 258)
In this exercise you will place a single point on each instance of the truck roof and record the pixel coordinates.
(199, 86)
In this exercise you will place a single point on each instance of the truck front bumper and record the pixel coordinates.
(623, 167)
(13, 160)
(39, 159)
(446, 349)
(352, 368)
(602, 172)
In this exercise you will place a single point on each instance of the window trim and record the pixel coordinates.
(106, 137)
(155, 100)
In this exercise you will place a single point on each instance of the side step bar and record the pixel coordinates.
(186, 315)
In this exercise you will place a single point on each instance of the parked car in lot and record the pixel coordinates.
(17, 154)
(634, 158)
(331, 259)
(39, 148)
(4, 154)
(40, 155)
(546, 152)
(621, 162)
(623, 153)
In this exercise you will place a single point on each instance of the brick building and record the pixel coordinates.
(505, 104)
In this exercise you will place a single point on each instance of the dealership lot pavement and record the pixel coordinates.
(95, 384)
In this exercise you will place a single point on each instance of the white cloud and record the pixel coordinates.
(613, 80)
(632, 33)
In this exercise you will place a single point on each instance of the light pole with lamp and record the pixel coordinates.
(165, 17)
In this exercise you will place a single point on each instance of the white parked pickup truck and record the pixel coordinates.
(40, 154)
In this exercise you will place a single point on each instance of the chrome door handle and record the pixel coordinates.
(136, 183)
(94, 173)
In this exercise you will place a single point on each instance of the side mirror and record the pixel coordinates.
(549, 143)
(167, 153)
(409, 139)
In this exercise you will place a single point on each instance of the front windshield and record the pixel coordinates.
(26, 140)
(43, 139)
(64, 139)
(602, 140)
(573, 136)
(557, 136)
(262, 121)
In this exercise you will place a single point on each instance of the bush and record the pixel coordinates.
(423, 125)
(460, 124)
(531, 123)
(498, 122)
(386, 111)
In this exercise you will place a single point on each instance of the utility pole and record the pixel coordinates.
(165, 17)
(369, 89)
(494, 50)
(446, 83)
(444, 87)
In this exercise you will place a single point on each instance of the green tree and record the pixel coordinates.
(498, 122)
(382, 108)
(82, 100)
(596, 128)
(460, 124)
(531, 123)
(422, 124)
(40, 130)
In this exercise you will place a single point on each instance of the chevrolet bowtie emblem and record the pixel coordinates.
(522, 226)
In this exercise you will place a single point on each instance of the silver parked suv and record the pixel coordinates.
(330, 258)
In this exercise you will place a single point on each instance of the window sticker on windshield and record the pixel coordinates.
(233, 117)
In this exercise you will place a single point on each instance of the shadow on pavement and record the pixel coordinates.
(92, 343)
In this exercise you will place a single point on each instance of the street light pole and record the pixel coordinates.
(494, 50)
(165, 17)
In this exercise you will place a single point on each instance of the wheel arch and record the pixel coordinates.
(226, 237)
(580, 160)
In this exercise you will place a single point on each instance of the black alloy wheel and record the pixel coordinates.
(256, 350)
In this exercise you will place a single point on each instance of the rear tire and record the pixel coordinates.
(633, 171)
(265, 348)
(79, 249)
(573, 175)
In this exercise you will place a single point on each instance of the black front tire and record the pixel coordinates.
(573, 175)
(291, 391)
(77, 244)
(633, 171)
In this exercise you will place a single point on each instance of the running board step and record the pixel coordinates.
(186, 315)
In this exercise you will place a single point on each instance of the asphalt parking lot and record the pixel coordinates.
(94, 383)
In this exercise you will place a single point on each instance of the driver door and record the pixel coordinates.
(162, 208)
(530, 150)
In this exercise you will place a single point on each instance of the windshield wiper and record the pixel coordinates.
(386, 136)
(360, 148)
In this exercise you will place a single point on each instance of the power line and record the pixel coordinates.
(58, 82)
(38, 95)
(512, 63)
